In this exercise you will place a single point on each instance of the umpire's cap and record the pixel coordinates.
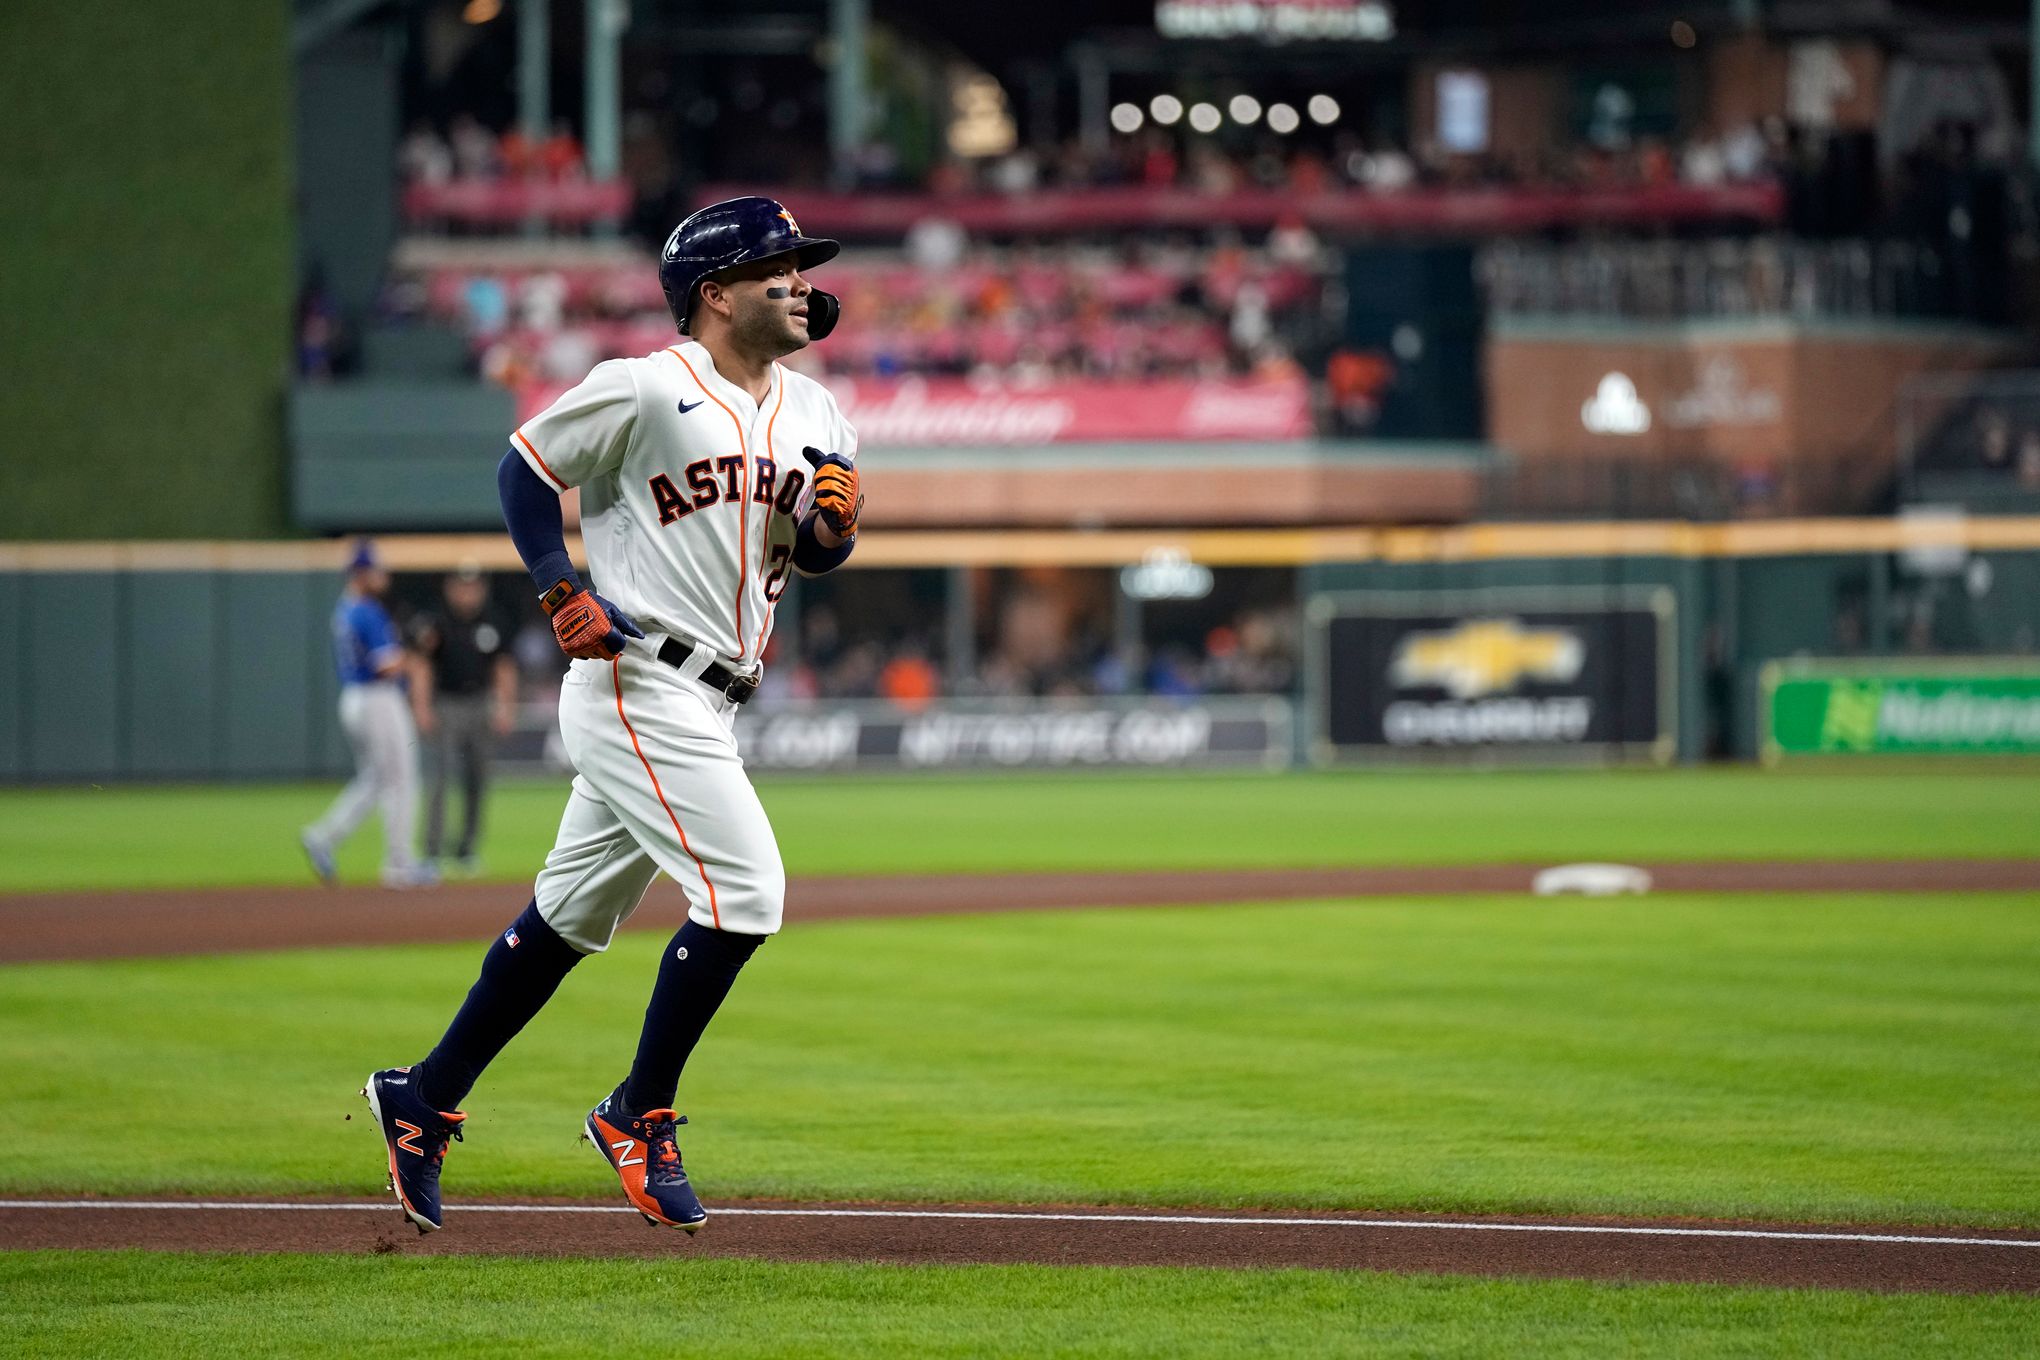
(735, 231)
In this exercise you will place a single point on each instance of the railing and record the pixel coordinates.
(1679, 489)
(507, 203)
(1441, 211)
(1681, 280)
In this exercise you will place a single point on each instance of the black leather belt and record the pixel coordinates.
(739, 688)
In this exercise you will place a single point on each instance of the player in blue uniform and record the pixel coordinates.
(372, 662)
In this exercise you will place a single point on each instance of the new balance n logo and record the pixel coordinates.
(623, 1149)
(408, 1140)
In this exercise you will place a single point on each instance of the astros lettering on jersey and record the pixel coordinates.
(691, 492)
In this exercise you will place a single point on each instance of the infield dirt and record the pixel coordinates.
(900, 1234)
(101, 925)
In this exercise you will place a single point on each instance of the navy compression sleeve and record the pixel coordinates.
(810, 557)
(531, 511)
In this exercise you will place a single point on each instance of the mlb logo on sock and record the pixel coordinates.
(510, 938)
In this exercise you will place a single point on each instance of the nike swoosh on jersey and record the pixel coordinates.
(687, 406)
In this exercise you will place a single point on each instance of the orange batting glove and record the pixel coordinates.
(838, 498)
(586, 625)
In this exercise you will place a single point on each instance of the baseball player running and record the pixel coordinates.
(708, 473)
(372, 662)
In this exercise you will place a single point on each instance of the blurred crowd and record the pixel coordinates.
(943, 306)
(1165, 158)
(1248, 651)
(1031, 642)
(1175, 158)
(468, 151)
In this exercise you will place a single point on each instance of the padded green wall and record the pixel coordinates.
(168, 675)
(145, 267)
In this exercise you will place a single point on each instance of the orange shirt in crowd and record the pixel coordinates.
(560, 157)
(517, 154)
(557, 157)
(909, 681)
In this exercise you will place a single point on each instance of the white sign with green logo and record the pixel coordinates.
(1975, 706)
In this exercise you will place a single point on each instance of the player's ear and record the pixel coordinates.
(711, 292)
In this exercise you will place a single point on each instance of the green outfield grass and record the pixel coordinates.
(124, 837)
(132, 1303)
(1840, 1059)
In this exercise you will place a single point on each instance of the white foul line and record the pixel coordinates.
(1023, 1216)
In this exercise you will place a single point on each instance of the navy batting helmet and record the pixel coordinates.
(737, 231)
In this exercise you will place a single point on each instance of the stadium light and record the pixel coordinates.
(1165, 109)
(1205, 117)
(1245, 109)
(1127, 117)
(1282, 119)
(1324, 110)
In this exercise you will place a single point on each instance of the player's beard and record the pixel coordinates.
(765, 328)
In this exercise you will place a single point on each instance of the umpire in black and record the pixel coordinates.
(465, 696)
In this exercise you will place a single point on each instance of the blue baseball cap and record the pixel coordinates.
(364, 558)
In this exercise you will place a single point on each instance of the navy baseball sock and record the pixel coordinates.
(521, 971)
(695, 975)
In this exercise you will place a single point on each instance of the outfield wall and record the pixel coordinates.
(209, 660)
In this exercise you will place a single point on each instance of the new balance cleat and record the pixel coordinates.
(416, 1136)
(644, 1154)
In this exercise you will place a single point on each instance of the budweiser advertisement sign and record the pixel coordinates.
(954, 412)
(917, 413)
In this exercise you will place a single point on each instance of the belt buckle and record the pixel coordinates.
(742, 687)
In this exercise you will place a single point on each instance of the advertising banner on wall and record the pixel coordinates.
(959, 413)
(1020, 734)
(959, 734)
(1537, 673)
(1759, 393)
(1976, 706)
(956, 412)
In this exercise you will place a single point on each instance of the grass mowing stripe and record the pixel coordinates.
(140, 837)
(64, 1304)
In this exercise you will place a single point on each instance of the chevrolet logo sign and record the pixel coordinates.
(1486, 656)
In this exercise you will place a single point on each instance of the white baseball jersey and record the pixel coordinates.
(690, 490)
(691, 496)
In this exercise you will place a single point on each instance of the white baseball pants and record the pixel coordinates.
(658, 786)
(377, 720)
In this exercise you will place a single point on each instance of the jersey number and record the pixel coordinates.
(775, 583)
